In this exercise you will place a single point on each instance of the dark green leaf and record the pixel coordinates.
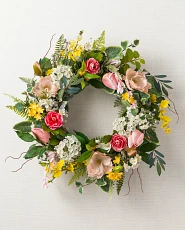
(166, 81)
(148, 147)
(25, 136)
(164, 91)
(106, 139)
(169, 87)
(158, 168)
(161, 160)
(53, 141)
(86, 155)
(19, 106)
(24, 126)
(82, 135)
(45, 64)
(157, 85)
(100, 182)
(162, 166)
(151, 136)
(35, 151)
(160, 76)
(97, 84)
(136, 42)
(78, 184)
(80, 189)
(158, 153)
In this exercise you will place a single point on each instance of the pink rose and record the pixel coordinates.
(135, 139)
(41, 135)
(99, 165)
(54, 120)
(118, 142)
(92, 66)
(45, 85)
(112, 81)
(136, 80)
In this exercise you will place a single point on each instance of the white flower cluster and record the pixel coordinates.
(48, 104)
(125, 125)
(61, 71)
(69, 148)
(134, 161)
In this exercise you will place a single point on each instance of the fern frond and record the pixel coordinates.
(80, 172)
(99, 44)
(14, 98)
(60, 45)
(20, 113)
(119, 184)
(26, 80)
(117, 102)
(122, 112)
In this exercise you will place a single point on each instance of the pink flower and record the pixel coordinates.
(112, 81)
(118, 142)
(52, 156)
(41, 135)
(135, 139)
(46, 85)
(54, 120)
(92, 66)
(99, 164)
(136, 80)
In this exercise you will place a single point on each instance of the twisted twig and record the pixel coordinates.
(129, 182)
(49, 45)
(22, 165)
(15, 158)
(141, 182)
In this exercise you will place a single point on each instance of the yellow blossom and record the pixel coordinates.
(38, 116)
(116, 160)
(31, 112)
(164, 104)
(114, 175)
(165, 124)
(153, 98)
(165, 118)
(126, 96)
(35, 111)
(70, 167)
(33, 105)
(55, 169)
(167, 130)
(72, 44)
(49, 71)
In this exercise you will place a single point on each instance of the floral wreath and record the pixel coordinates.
(141, 97)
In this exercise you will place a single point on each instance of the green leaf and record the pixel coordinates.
(106, 187)
(138, 65)
(160, 76)
(136, 54)
(134, 112)
(151, 136)
(166, 81)
(129, 54)
(167, 86)
(124, 44)
(136, 42)
(82, 135)
(26, 80)
(90, 146)
(113, 52)
(53, 141)
(142, 61)
(60, 45)
(73, 90)
(161, 160)
(78, 184)
(96, 55)
(158, 153)
(100, 182)
(45, 64)
(106, 139)
(148, 147)
(97, 84)
(86, 155)
(99, 44)
(35, 151)
(83, 84)
(24, 126)
(82, 141)
(91, 76)
(60, 94)
(79, 172)
(162, 166)
(25, 136)
(164, 91)
(80, 189)
(19, 106)
(158, 168)
(78, 81)
(157, 85)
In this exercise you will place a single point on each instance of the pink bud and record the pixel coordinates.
(41, 135)
(135, 139)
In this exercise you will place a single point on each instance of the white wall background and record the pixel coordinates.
(26, 28)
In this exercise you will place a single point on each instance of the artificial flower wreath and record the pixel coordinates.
(141, 97)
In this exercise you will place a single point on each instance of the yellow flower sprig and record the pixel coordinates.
(127, 97)
(165, 119)
(55, 169)
(35, 111)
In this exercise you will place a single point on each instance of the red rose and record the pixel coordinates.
(54, 120)
(92, 66)
(118, 142)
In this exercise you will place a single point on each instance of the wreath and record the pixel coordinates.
(142, 99)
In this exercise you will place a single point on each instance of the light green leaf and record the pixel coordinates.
(86, 155)
(91, 76)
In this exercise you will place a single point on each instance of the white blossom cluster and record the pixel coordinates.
(134, 161)
(61, 71)
(69, 148)
(48, 104)
(128, 123)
